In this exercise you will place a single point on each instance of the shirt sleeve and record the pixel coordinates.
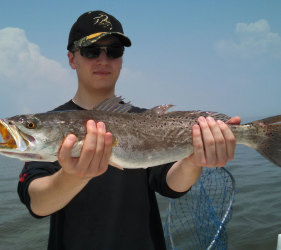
(157, 181)
(30, 172)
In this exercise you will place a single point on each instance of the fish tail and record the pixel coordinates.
(269, 138)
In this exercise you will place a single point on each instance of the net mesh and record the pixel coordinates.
(198, 219)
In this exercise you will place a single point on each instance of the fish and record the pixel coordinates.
(140, 140)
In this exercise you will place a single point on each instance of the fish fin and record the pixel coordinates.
(270, 146)
(114, 104)
(160, 110)
(115, 165)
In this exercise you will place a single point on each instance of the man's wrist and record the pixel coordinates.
(71, 180)
(188, 164)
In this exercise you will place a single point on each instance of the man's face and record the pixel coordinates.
(97, 74)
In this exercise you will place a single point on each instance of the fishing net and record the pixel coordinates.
(198, 219)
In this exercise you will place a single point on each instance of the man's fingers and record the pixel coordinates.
(229, 139)
(107, 152)
(208, 140)
(89, 147)
(198, 146)
(234, 120)
(64, 154)
(95, 152)
(220, 145)
(100, 146)
(213, 141)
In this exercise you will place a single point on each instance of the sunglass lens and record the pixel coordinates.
(90, 52)
(115, 52)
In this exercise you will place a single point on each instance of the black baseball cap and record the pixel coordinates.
(92, 26)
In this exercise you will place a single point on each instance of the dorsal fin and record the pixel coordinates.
(160, 110)
(114, 104)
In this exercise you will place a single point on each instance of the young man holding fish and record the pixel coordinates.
(92, 204)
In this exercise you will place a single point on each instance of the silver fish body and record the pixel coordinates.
(141, 140)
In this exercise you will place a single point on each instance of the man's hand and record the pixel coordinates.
(213, 142)
(94, 156)
(213, 145)
(51, 193)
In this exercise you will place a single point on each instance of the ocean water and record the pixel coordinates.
(255, 224)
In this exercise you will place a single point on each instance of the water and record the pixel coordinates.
(255, 224)
(256, 219)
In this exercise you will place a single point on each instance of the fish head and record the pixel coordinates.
(28, 137)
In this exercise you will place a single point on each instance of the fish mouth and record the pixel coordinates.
(12, 138)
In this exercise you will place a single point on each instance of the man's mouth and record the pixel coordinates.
(101, 73)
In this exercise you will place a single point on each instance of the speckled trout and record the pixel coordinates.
(141, 140)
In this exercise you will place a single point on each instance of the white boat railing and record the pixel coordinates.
(279, 242)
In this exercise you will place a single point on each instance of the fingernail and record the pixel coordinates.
(91, 123)
(201, 119)
(196, 126)
(101, 125)
(220, 122)
(71, 138)
(210, 119)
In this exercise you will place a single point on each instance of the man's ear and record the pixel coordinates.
(70, 56)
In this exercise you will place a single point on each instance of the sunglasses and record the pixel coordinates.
(111, 51)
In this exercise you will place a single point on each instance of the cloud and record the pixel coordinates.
(252, 39)
(29, 81)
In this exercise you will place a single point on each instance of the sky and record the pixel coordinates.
(222, 56)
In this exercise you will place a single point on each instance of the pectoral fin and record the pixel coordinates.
(115, 165)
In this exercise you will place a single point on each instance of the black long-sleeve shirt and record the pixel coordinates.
(117, 210)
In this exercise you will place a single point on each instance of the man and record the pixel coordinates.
(94, 205)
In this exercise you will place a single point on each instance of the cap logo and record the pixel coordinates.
(103, 20)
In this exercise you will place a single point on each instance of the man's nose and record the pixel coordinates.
(102, 56)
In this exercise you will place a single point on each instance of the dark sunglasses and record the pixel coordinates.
(111, 51)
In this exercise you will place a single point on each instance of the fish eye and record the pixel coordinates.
(30, 125)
